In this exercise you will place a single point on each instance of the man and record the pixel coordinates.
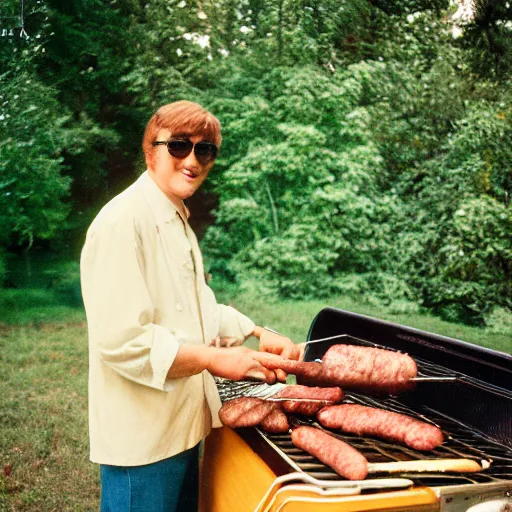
(156, 333)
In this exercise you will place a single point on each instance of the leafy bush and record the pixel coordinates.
(301, 206)
(461, 213)
(362, 153)
(389, 179)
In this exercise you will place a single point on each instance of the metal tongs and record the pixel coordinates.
(268, 392)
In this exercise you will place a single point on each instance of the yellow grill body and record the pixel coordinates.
(235, 479)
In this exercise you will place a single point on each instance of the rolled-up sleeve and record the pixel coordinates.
(120, 313)
(233, 324)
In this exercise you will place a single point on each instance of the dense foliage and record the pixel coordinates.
(367, 143)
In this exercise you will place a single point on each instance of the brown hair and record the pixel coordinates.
(181, 117)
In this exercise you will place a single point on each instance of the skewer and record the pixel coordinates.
(307, 342)
(433, 379)
(450, 378)
(256, 376)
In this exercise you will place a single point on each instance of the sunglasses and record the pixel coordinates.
(205, 152)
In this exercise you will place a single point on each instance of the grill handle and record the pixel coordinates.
(336, 487)
(429, 465)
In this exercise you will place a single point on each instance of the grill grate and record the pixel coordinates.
(461, 442)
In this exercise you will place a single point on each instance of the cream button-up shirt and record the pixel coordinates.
(145, 294)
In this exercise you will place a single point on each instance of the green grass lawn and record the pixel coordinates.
(43, 388)
(43, 430)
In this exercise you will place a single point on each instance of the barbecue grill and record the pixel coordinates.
(249, 469)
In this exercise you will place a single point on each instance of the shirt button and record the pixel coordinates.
(179, 307)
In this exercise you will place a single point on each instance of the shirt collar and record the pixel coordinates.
(164, 209)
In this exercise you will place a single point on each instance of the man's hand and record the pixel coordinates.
(277, 344)
(301, 348)
(273, 343)
(238, 363)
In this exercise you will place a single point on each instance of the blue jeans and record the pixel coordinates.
(170, 485)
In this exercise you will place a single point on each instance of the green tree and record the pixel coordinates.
(488, 37)
(32, 130)
(302, 204)
(462, 211)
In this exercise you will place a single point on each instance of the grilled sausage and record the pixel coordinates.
(340, 456)
(330, 395)
(309, 371)
(244, 412)
(364, 369)
(362, 420)
(276, 422)
(303, 408)
(368, 368)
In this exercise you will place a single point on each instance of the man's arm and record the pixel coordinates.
(234, 363)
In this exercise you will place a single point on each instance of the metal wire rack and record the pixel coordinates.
(461, 441)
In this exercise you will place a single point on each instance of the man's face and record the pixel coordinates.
(178, 178)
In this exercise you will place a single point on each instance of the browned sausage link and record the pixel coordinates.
(362, 420)
(244, 412)
(365, 369)
(300, 369)
(368, 368)
(331, 394)
(303, 408)
(276, 422)
(340, 456)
